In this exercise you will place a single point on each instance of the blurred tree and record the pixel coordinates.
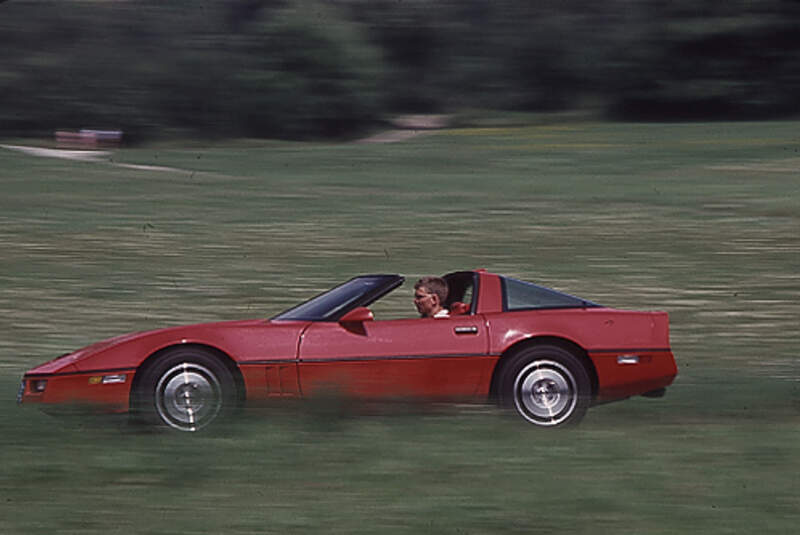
(314, 68)
(711, 60)
(306, 71)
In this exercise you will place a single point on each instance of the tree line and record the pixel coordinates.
(301, 69)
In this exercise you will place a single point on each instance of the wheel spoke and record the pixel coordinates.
(188, 396)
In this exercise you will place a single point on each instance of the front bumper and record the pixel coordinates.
(109, 389)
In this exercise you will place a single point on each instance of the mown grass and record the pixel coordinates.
(641, 466)
(700, 220)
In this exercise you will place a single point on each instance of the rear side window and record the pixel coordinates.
(521, 295)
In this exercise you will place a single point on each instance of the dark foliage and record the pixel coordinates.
(314, 69)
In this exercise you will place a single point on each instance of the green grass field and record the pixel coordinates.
(700, 220)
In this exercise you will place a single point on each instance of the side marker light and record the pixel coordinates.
(113, 379)
(107, 379)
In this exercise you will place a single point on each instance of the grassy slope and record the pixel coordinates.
(700, 220)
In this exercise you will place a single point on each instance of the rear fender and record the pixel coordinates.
(563, 343)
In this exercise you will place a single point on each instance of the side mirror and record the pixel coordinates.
(357, 315)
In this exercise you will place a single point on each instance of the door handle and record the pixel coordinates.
(466, 330)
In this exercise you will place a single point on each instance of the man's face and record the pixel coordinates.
(425, 301)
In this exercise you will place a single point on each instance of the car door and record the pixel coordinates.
(442, 358)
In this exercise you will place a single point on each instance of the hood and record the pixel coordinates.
(141, 343)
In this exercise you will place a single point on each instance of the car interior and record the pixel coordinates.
(461, 287)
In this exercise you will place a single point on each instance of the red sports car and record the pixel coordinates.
(545, 354)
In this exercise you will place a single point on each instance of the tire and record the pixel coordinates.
(185, 389)
(547, 385)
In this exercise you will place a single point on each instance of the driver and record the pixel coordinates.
(429, 294)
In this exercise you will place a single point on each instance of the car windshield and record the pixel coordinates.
(331, 305)
(521, 295)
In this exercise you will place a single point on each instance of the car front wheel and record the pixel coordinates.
(546, 385)
(186, 389)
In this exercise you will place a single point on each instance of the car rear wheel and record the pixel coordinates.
(547, 385)
(186, 389)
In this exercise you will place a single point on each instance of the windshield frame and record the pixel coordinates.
(332, 304)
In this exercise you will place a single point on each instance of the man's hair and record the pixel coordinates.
(434, 285)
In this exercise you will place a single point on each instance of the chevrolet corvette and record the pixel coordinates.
(545, 355)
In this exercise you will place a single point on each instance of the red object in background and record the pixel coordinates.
(545, 354)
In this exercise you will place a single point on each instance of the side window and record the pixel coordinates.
(521, 295)
(467, 297)
(461, 289)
